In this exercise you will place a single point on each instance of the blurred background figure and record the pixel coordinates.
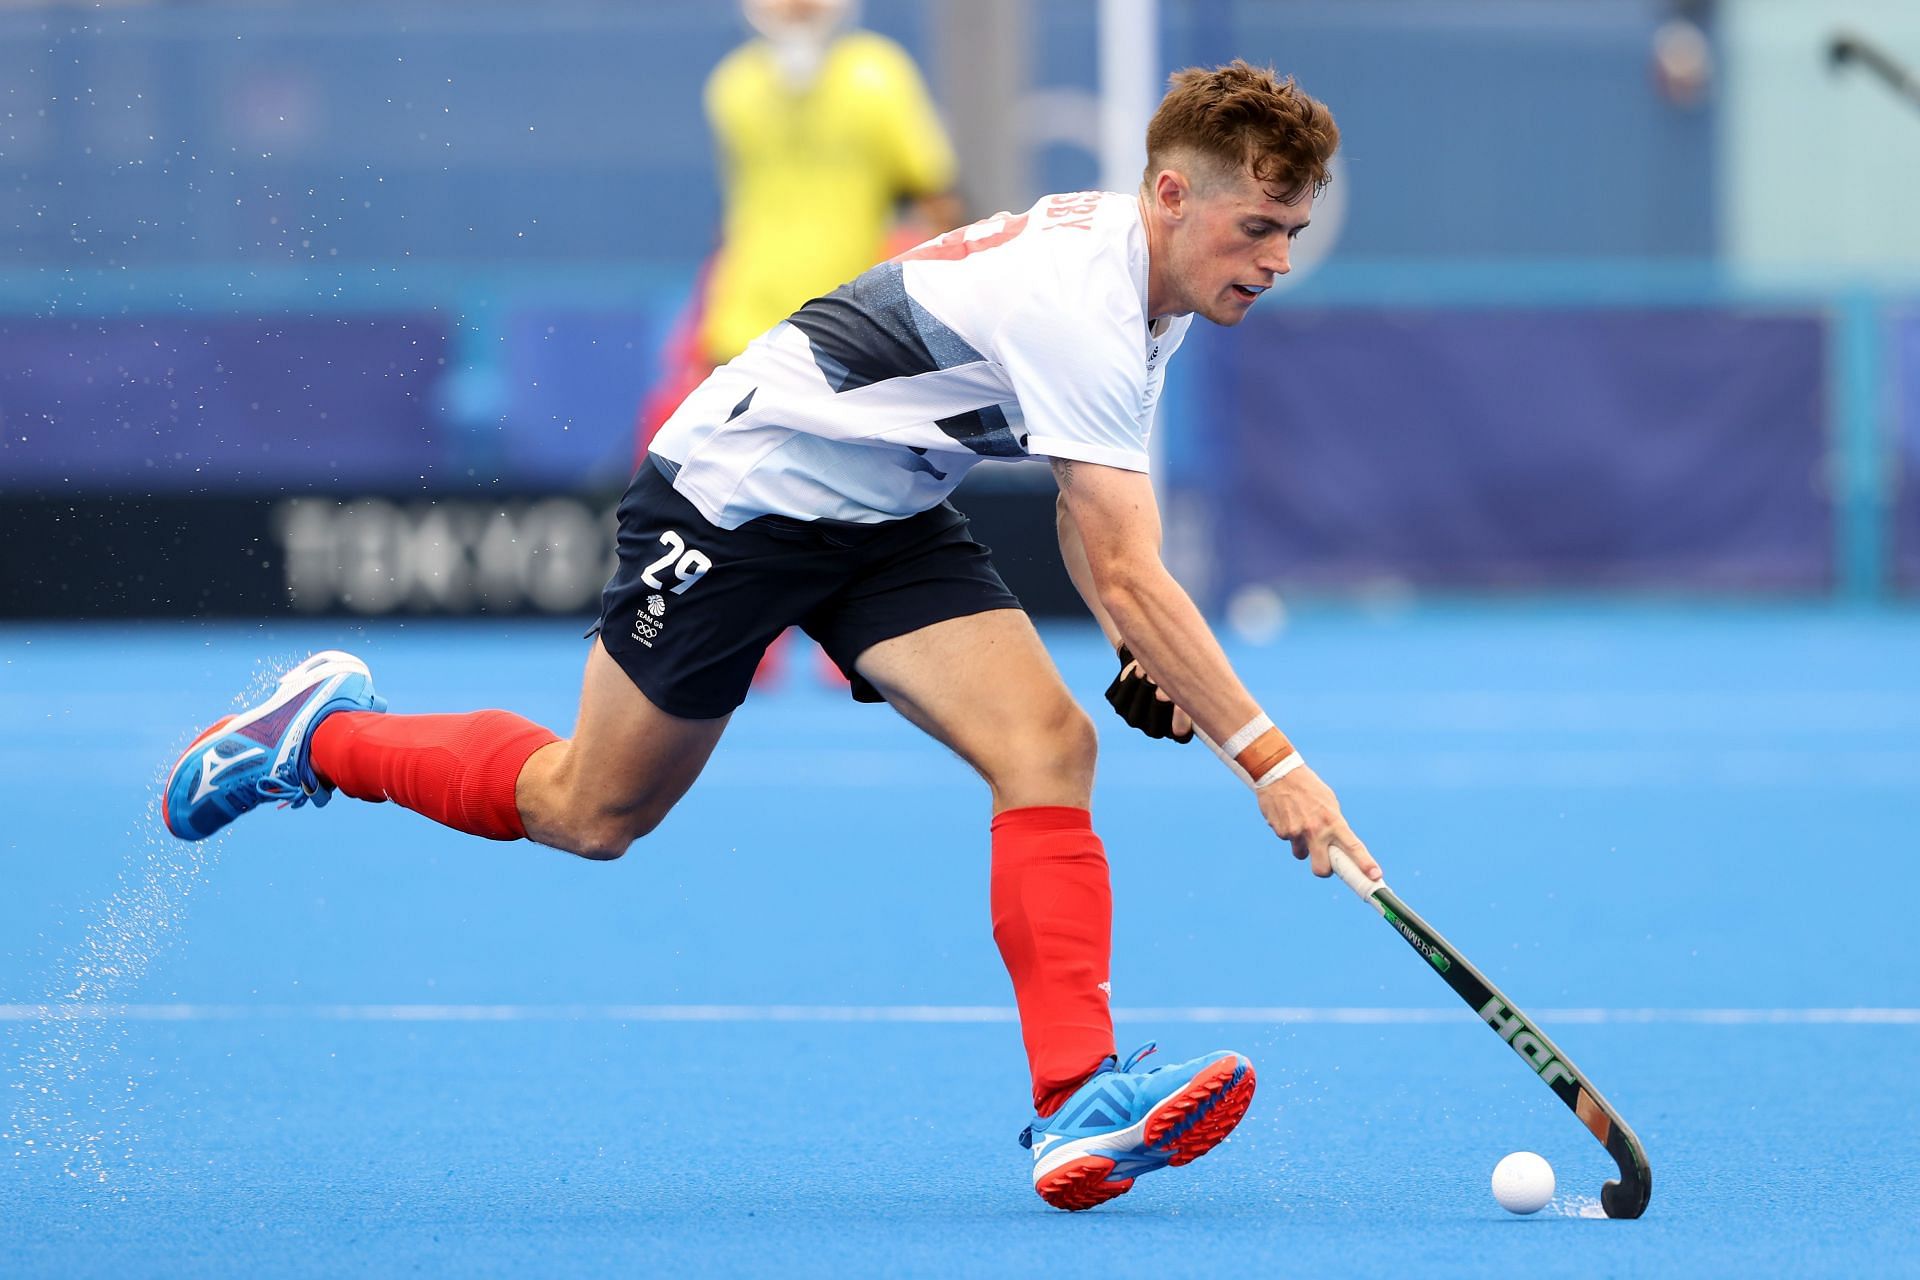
(830, 153)
(1683, 53)
(832, 157)
(830, 149)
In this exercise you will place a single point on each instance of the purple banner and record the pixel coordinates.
(1674, 449)
(574, 383)
(221, 405)
(1906, 468)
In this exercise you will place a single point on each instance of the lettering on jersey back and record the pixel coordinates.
(1072, 212)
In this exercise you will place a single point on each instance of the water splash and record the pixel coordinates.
(74, 1100)
(1576, 1207)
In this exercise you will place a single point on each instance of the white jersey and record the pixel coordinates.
(1023, 335)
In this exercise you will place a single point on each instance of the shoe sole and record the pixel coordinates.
(295, 683)
(1182, 1127)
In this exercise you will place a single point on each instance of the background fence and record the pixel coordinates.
(308, 308)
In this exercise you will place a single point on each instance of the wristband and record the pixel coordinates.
(1261, 752)
(1266, 748)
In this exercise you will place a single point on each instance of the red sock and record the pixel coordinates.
(457, 770)
(1053, 919)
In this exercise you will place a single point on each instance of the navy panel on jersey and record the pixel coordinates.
(985, 431)
(870, 330)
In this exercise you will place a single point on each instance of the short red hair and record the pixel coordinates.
(1240, 118)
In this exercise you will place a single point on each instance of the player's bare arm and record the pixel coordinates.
(1133, 693)
(1110, 537)
(1074, 554)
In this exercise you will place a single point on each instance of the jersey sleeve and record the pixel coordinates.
(911, 138)
(1073, 350)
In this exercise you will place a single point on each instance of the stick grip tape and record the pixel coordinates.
(1353, 876)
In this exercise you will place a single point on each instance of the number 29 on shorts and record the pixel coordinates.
(685, 563)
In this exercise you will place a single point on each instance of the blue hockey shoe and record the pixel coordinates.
(261, 753)
(1124, 1122)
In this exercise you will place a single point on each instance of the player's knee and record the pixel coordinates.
(1054, 752)
(601, 847)
(605, 838)
(1079, 742)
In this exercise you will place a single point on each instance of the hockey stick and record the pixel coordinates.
(1625, 1198)
(1847, 47)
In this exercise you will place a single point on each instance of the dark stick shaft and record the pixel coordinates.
(1625, 1198)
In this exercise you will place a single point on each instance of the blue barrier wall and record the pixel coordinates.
(1497, 444)
(205, 204)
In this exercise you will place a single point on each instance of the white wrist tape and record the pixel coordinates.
(1279, 771)
(1244, 736)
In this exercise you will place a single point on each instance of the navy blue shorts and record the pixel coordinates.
(691, 607)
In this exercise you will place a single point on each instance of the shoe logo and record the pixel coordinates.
(1041, 1141)
(213, 764)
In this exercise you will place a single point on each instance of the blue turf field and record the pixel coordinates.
(776, 1038)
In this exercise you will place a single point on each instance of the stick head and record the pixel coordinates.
(1625, 1199)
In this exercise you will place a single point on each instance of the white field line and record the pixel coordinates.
(1546, 766)
(970, 1014)
(1550, 766)
(1733, 712)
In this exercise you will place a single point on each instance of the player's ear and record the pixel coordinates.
(1172, 192)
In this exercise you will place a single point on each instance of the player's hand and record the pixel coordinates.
(1302, 810)
(1142, 703)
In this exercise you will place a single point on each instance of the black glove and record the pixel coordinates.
(1137, 700)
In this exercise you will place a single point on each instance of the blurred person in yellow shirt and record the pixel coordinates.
(831, 158)
(823, 132)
